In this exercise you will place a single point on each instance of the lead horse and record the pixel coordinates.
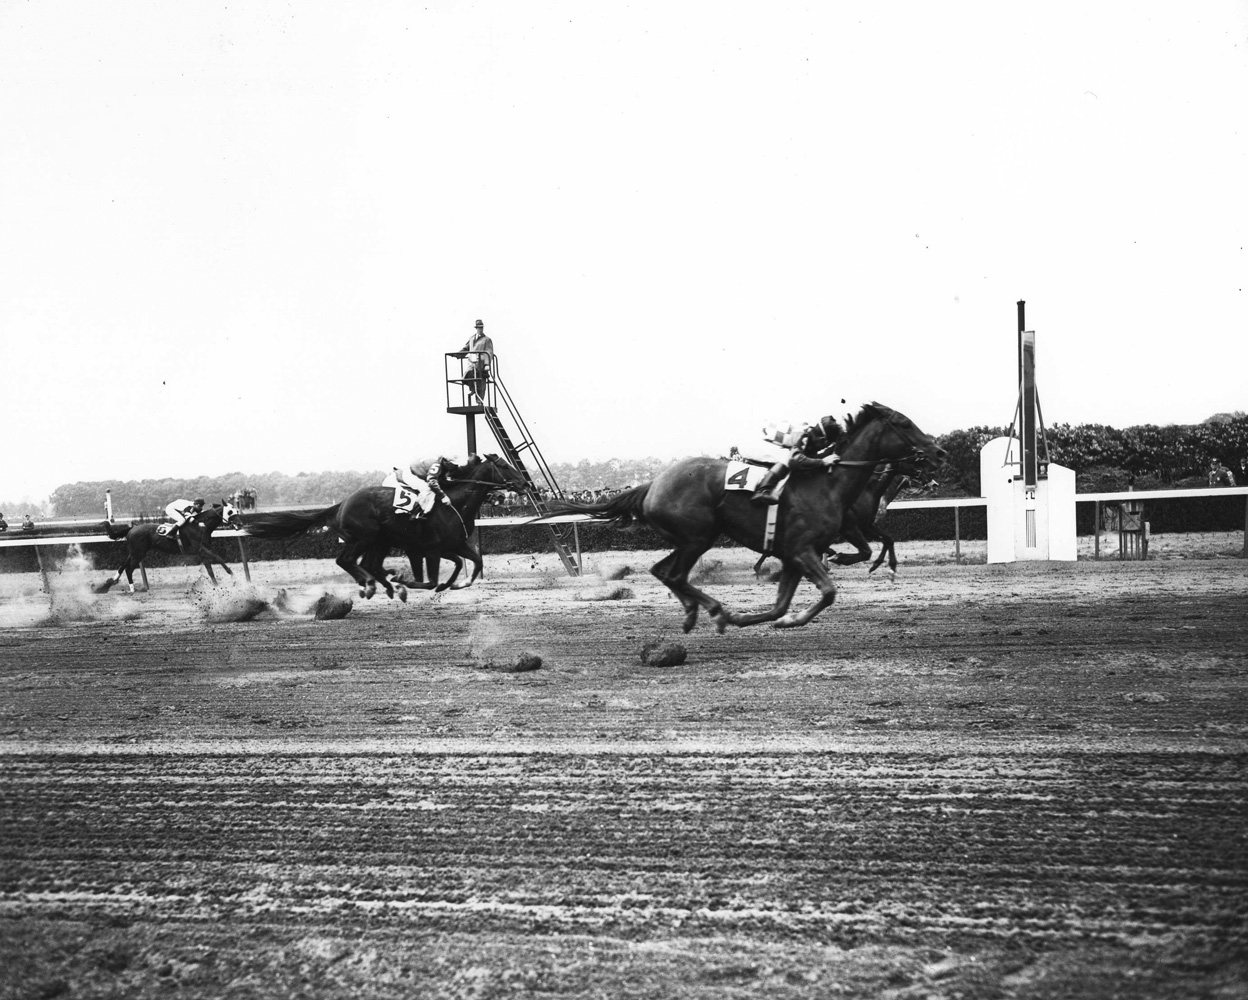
(370, 527)
(690, 506)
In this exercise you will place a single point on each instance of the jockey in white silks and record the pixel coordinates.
(179, 511)
(416, 486)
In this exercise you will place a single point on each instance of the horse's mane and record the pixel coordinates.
(866, 413)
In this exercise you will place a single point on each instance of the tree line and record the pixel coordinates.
(1103, 458)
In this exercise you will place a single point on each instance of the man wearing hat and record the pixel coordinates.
(480, 350)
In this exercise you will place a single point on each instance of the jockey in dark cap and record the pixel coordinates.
(805, 444)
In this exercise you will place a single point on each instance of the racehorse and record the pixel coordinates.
(370, 527)
(690, 506)
(143, 538)
(861, 527)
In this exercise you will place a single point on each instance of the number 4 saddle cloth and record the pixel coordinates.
(743, 475)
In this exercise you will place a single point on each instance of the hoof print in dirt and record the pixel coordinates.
(329, 607)
(663, 654)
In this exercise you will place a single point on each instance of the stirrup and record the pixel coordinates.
(768, 498)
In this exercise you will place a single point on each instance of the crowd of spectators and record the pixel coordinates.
(508, 503)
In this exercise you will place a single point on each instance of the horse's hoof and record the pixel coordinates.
(788, 621)
(403, 594)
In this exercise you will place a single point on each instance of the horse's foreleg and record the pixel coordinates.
(886, 551)
(456, 558)
(857, 539)
(457, 567)
(208, 557)
(809, 563)
(790, 577)
(419, 581)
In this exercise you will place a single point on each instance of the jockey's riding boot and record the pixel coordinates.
(768, 490)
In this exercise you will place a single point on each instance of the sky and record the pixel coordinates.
(241, 237)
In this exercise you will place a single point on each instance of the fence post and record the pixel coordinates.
(1096, 531)
(242, 551)
(43, 572)
(957, 536)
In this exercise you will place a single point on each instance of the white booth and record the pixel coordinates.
(1026, 523)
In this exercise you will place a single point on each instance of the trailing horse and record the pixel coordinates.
(140, 539)
(861, 527)
(370, 527)
(691, 506)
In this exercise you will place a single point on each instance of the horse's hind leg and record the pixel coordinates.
(348, 559)
(374, 563)
(674, 569)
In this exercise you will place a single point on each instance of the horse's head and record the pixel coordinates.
(493, 470)
(893, 435)
(226, 511)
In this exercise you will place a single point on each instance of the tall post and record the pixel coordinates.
(471, 420)
(1028, 435)
(108, 505)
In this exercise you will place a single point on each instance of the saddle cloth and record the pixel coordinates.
(406, 500)
(743, 475)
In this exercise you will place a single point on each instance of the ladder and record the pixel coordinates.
(474, 395)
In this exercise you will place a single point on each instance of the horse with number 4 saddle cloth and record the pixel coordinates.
(695, 502)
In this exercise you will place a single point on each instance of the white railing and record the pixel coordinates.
(17, 537)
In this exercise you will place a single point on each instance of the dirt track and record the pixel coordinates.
(982, 781)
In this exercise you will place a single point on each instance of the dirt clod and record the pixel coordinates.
(663, 654)
(329, 607)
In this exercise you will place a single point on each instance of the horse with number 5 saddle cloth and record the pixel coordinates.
(370, 527)
(695, 502)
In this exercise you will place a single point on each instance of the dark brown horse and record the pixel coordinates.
(143, 538)
(369, 526)
(861, 521)
(689, 505)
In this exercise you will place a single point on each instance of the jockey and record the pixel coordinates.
(179, 511)
(419, 477)
(804, 444)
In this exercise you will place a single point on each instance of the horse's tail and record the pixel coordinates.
(287, 524)
(115, 531)
(621, 510)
